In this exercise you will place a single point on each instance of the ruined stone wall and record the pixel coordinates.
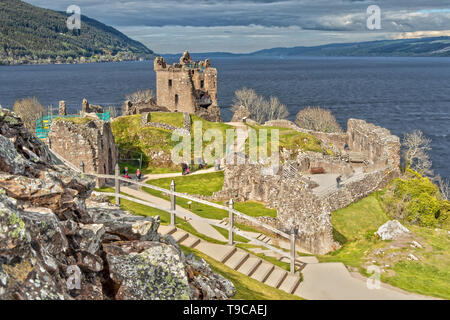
(376, 143)
(295, 203)
(91, 143)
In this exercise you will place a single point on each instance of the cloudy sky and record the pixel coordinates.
(169, 26)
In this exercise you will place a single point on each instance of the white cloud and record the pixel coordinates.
(421, 34)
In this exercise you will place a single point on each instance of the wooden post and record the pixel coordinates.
(292, 251)
(173, 205)
(231, 218)
(117, 184)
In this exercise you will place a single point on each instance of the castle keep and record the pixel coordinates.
(187, 86)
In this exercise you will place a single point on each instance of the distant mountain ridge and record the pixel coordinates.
(29, 34)
(421, 47)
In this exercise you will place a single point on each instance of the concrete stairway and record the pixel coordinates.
(238, 260)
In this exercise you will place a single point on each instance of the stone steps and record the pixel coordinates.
(190, 242)
(276, 278)
(238, 260)
(263, 271)
(250, 266)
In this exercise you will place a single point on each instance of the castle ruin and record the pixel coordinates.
(187, 86)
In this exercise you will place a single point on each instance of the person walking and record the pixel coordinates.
(125, 171)
(338, 182)
(183, 168)
(138, 174)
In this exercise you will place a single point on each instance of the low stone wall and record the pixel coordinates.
(356, 190)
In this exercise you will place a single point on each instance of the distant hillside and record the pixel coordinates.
(30, 34)
(423, 47)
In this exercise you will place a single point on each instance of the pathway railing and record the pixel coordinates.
(173, 207)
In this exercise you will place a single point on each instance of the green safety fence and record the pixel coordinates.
(43, 124)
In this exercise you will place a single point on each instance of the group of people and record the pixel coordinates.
(127, 176)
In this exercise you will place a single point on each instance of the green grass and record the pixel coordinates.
(289, 139)
(246, 287)
(356, 225)
(358, 218)
(255, 209)
(75, 120)
(172, 118)
(204, 184)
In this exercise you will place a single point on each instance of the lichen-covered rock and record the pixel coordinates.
(206, 284)
(158, 272)
(126, 226)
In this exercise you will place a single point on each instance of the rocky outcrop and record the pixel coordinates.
(58, 241)
(91, 143)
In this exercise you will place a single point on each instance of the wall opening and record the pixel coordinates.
(176, 100)
(202, 83)
(170, 82)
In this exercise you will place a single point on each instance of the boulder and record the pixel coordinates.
(158, 272)
(391, 230)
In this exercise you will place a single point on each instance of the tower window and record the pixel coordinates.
(202, 83)
(170, 82)
(176, 99)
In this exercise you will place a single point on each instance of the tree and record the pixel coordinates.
(141, 96)
(317, 119)
(29, 109)
(416, 147)
(260, 109)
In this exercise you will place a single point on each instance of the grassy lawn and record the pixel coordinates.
(289, 139)
(354, 221)
(255, 209)
(172, 118)
(204, 184)
(246, 287)
(355, 226)
(75, 120)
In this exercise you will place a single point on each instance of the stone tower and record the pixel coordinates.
(188, 86)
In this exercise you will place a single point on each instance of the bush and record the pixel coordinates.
(317, 119)
(416, 199)
(29, 109)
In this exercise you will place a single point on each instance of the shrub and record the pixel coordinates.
(416, 199)
(317, 119)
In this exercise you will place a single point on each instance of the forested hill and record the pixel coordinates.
(29, 34)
